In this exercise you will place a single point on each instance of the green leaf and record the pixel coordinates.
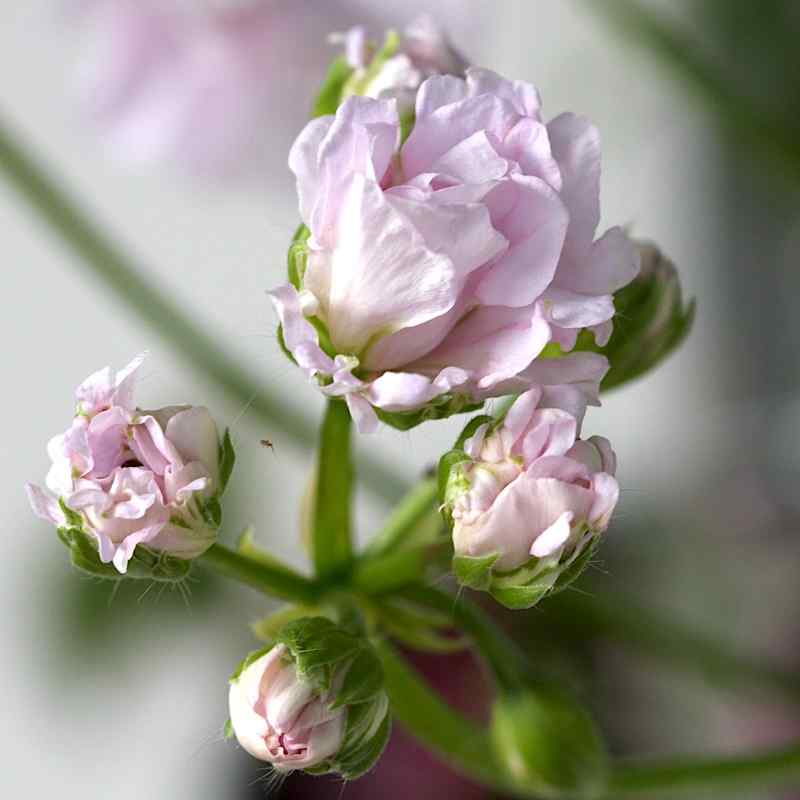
(474, 571)
(227, 458)
(331, 505)
(212, 512)
(330, 94)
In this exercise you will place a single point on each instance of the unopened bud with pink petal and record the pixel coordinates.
(122, 477)
(312, 701)
(527, 500)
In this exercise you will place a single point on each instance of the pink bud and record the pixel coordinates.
(534, 488)
(279, 718)
(133, 477)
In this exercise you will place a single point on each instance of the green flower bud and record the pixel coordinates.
(314, 700)
(549, 744)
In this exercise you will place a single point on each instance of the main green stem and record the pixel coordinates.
(106, 261)
(331, 515)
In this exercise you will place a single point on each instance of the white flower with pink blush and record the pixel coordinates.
(313, 700)
(528, 500)
(132, 477)
(438, 272)
(279, 718)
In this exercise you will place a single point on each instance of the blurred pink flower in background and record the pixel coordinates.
(212, 86)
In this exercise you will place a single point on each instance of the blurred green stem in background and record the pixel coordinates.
(105, 260)
(750, 123)
(619, 619)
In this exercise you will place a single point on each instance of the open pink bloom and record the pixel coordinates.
(443, 269)
(424, 50)
(280, 718)
(134, 477)
(534, 489)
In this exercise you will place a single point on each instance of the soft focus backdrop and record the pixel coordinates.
(125, 696)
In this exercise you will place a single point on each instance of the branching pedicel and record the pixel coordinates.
(447, 256)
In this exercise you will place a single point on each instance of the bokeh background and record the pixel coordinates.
(124, 696)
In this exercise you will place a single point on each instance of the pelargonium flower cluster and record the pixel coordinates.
(133, 477)
(437, 272)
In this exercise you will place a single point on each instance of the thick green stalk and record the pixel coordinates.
(118, 272)
(458, 741)
(272, 579)
(331, 514)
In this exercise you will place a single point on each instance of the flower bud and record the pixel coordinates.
(314, 701)
(126, 481)
(398, 68)
(652, 319)
(527, 501)
(549, 744)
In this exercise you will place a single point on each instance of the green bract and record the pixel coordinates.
(651, 320)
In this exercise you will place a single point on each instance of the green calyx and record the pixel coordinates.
(525, 586)
(549, 744)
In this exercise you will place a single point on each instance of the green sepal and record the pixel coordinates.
(211, 509)
(227, 459)
(363, 681)
(296, 259)
(549, 744)
(475, 571)
(364, 742)
(451, 482)
(249, 659)
(227, 730)
(441, 408)
(330, 93)
(267, 628)
(517, 598)
(145, 564)
(318, 647)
